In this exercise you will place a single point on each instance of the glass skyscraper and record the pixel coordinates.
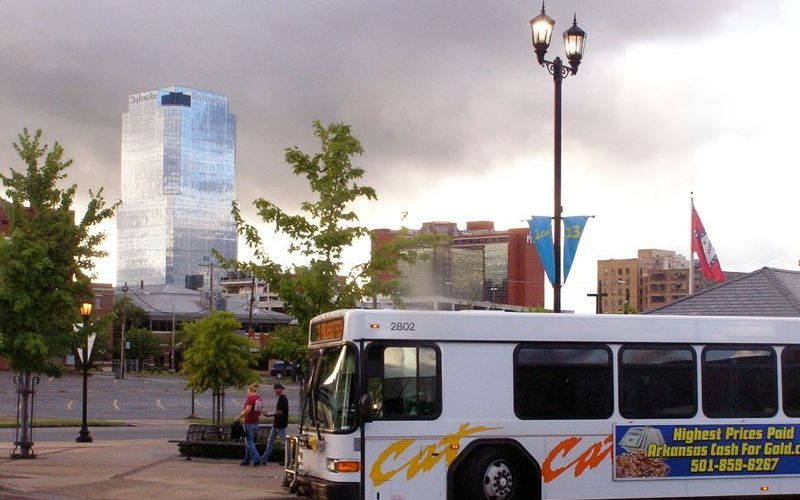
(178, 166)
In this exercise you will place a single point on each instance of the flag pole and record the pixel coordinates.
(691, 241)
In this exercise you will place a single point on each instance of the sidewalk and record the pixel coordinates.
(136, 468)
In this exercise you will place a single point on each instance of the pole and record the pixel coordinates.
(83, 435)
(172, 350)
(691, 244)
(252, 300)
(598, 297)
(122, 331)
(210, 266)
(557, 78)
(211, 285)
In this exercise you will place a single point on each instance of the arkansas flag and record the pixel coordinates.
(709, 263)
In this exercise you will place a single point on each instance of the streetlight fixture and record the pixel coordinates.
(574, 43)
(86, 312)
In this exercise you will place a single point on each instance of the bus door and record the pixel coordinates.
(401, 398)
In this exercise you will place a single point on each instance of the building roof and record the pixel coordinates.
(162, 301)
(765, 292)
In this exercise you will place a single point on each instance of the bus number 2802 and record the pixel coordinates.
(401, 326)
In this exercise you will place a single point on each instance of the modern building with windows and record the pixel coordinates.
(479, 264)
(178, 168)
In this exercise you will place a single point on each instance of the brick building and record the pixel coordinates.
(476, 264)
(651, 280)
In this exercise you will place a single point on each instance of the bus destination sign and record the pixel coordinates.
(327, 331)
(689, 451)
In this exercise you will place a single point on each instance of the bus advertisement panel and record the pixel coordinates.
(696, 451)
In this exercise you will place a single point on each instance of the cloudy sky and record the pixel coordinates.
(455, 116)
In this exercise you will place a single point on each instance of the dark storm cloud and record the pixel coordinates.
(438, 87)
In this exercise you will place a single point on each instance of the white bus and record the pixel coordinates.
(410, 405)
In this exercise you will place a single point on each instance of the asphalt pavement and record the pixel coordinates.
(134, 398)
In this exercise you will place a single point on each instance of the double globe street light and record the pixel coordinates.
(574, 42)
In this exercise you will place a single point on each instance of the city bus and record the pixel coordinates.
(490, 405)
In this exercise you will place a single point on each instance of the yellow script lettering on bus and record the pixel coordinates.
(426, 459)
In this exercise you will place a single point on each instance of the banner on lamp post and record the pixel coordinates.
(541, 233)
(573, 230)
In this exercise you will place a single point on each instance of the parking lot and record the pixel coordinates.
(132, 398)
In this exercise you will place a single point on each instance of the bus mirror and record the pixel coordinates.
(365, 408)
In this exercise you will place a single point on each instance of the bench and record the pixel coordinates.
(214, 441)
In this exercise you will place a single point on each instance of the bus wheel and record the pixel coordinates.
(492, 475)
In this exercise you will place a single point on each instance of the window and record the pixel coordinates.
(332, 397)
(790, 371)
(739, 382)
(657, 382)
(404, 381)
(563, 382)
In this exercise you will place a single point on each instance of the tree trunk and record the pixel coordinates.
(218, 406)
(23, 442)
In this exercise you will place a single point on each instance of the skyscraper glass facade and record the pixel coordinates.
(178, 166)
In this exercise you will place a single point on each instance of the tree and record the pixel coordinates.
(327, 226)
(45, 266)
(286, 343)
(135, 317)
(629, 309)
(217, 357)
(144, 343)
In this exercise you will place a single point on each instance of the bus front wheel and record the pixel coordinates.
(493, 474)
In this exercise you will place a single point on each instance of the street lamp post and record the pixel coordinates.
(574, 42)
(122, 331)
(86, 312)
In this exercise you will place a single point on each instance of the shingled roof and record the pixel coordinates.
(765, 292)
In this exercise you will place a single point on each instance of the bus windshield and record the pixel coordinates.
(332, 400)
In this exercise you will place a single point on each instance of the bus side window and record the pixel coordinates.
(657, 381)
(563, 382)
(790, 374)
(403, 381)
(739, 381)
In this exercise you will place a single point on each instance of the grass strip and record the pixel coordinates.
(10, 423)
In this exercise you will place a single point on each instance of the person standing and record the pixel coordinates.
(252, 409)
(279, 423)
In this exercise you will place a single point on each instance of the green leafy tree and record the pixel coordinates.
(46, 263)
(629, 309)
(287, 343)
(327, 226)
(135, 317)
(144, 344)
(217, 357)
(319, 235)
(100, 326)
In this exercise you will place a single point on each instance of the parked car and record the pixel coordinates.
(280, 369)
